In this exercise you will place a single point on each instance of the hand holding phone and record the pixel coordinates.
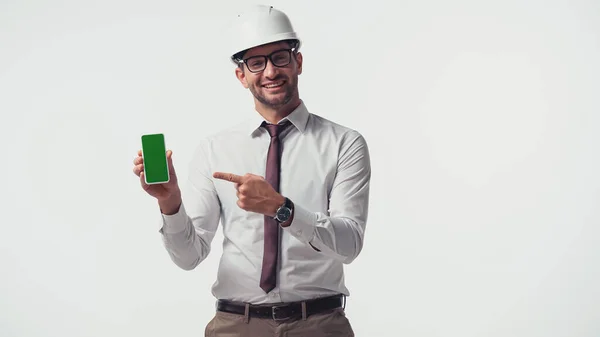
(154, 153)
(154, 166)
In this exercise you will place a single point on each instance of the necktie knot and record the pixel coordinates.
(275, 129)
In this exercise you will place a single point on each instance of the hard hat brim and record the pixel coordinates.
(262, 42)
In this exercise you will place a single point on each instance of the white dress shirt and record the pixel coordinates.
(325, 171)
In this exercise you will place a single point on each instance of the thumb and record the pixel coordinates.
(170, 162)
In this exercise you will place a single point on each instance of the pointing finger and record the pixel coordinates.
(234, 178)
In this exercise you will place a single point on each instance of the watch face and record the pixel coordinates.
(284, 214)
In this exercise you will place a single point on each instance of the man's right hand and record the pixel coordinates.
(167, 194)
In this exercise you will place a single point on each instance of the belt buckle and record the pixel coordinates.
(274, 314)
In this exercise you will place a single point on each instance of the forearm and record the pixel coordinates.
(339, 237)
(170, 206)
(187, 229)
(339, 232)
(184, 244)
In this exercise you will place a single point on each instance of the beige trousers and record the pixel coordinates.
(328, 324)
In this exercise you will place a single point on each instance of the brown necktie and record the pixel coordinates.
(268, 278)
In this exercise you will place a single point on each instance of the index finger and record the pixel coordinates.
(234, 178)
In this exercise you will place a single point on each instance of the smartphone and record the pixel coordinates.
(154, 152)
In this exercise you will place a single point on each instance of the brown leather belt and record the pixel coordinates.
(282, 311)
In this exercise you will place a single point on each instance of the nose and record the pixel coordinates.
(269, 70)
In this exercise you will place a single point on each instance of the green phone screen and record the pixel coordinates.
(156, 169)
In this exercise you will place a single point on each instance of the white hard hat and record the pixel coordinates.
(261, 25)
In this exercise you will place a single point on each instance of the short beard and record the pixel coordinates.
(275, 103)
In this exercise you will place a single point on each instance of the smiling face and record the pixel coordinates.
(274, 87)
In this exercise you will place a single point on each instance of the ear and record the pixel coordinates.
(299, 62)
(241, 76)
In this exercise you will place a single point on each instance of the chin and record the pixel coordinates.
(276, 100)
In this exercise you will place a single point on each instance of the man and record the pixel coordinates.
(291, 190)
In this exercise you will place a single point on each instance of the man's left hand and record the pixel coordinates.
(254, 193)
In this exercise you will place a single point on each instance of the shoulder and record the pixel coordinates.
(343, 134)
(207, 147)
(229, 131)
(226, 134)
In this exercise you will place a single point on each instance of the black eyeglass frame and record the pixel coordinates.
(266, 58)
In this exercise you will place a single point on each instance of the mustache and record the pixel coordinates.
(276, 79)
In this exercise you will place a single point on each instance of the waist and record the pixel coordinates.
(284, 311)
(239, 281)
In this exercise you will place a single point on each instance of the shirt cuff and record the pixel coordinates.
(303, 224)
(174, 223)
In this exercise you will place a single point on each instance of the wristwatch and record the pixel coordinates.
(284, 212)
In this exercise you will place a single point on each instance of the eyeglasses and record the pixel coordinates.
(279, 58)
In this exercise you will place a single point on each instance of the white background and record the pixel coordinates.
(481, 118)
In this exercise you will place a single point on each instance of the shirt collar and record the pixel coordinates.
(298, 117)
